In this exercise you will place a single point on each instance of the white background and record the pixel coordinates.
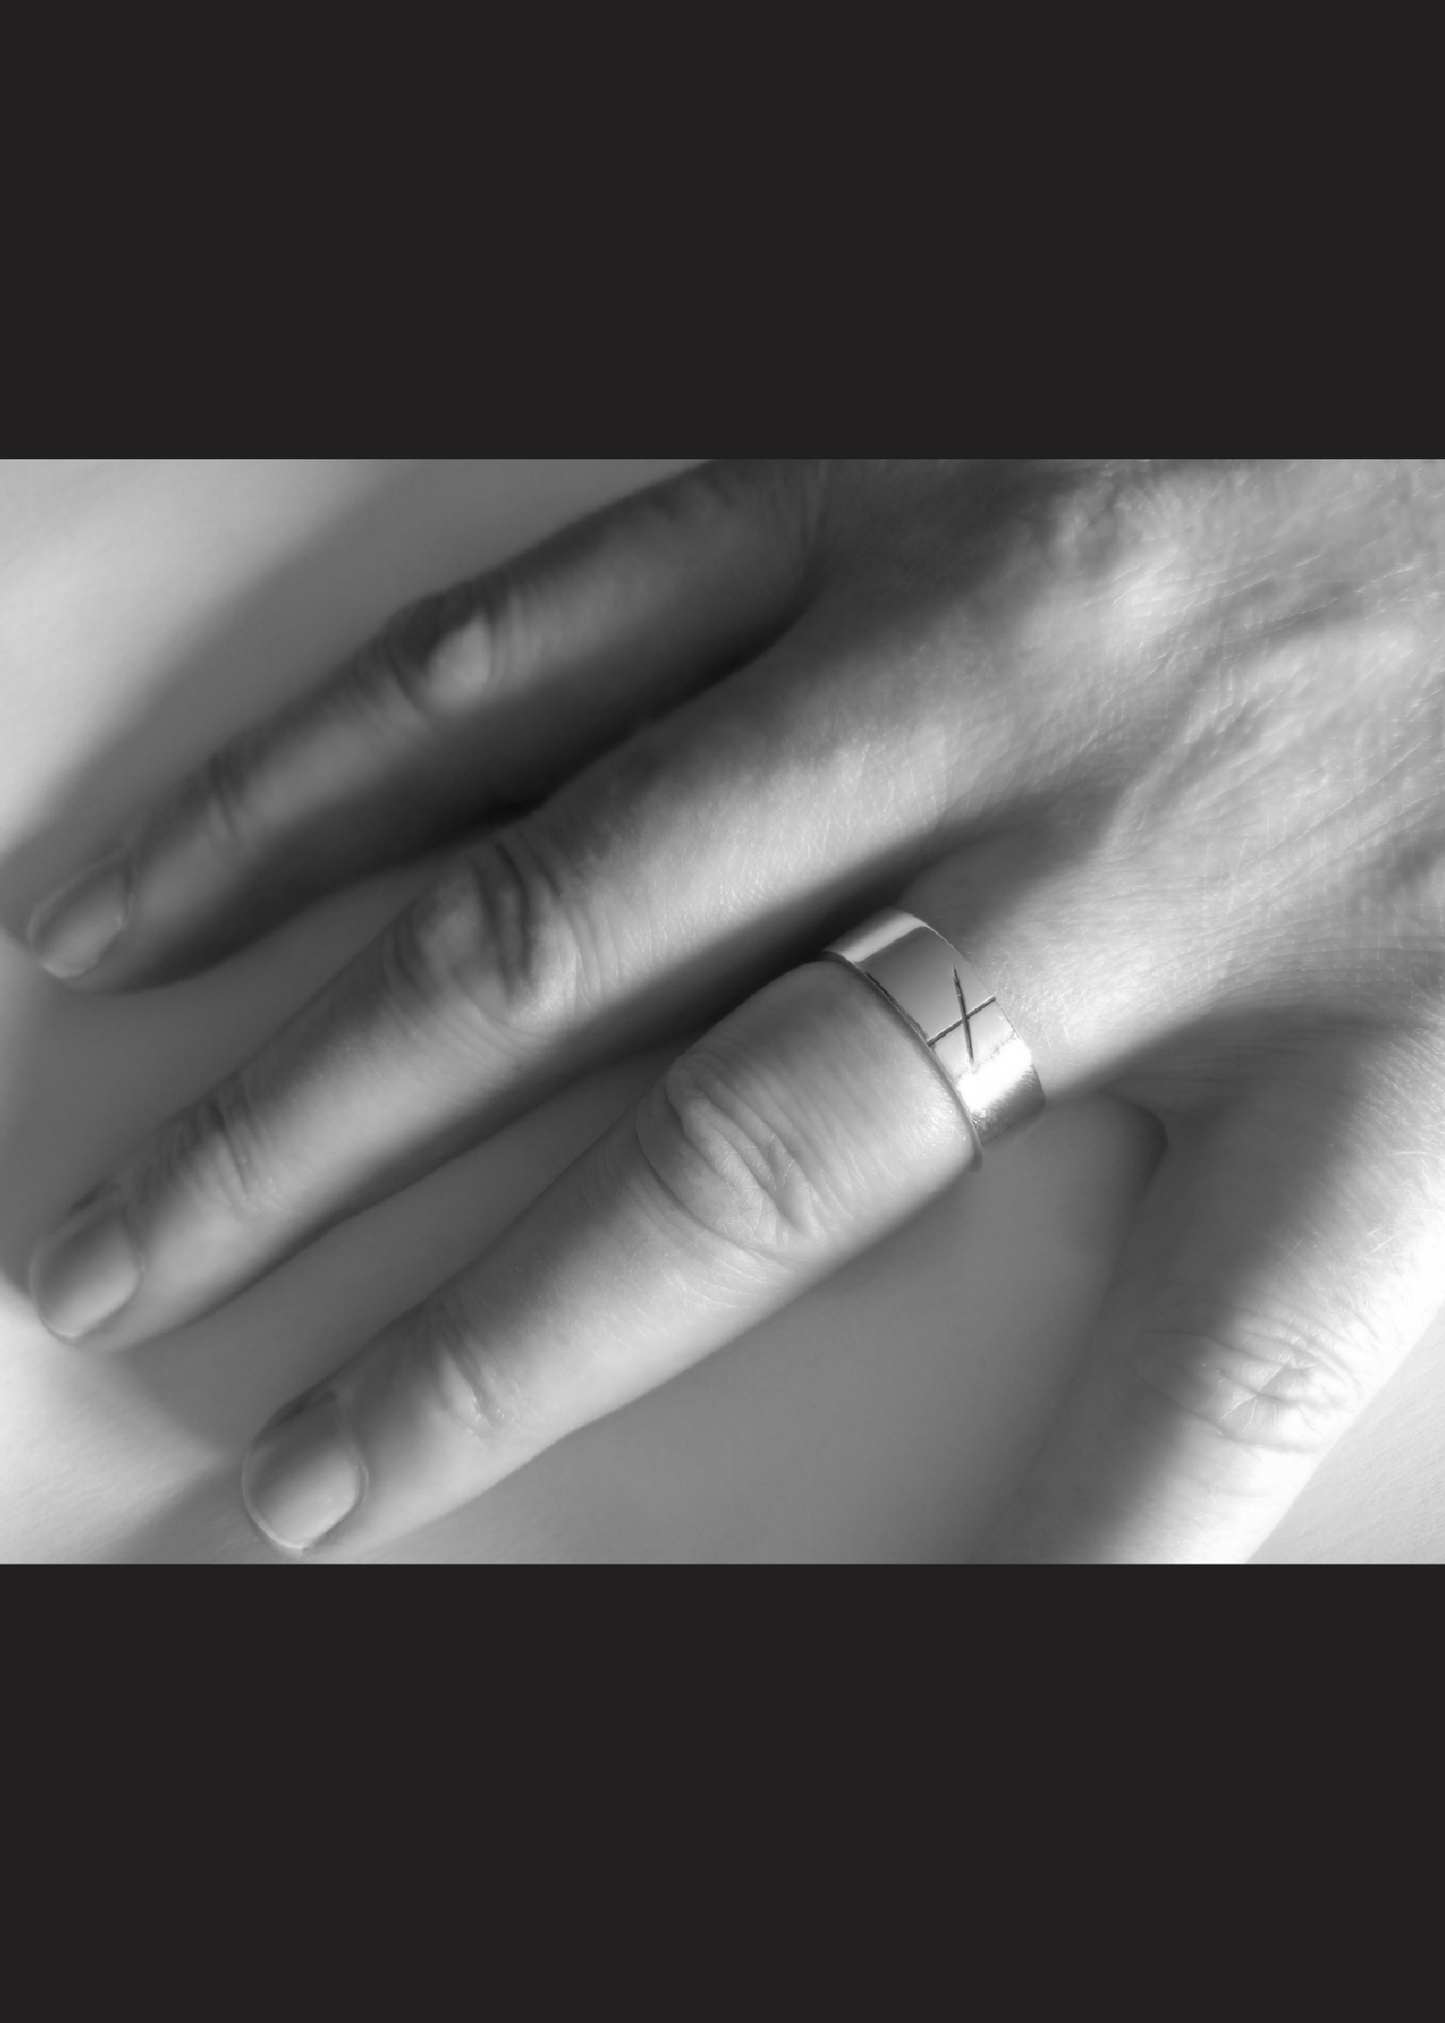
(147, 607)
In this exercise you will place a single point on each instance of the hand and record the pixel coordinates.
(1158, 744)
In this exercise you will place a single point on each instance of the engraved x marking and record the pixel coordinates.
(966, 1017)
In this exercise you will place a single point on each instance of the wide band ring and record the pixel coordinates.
(944, 1001)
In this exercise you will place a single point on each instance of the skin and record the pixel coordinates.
(1158, 744)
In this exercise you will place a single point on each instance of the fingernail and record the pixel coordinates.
(87, 1272)
(302, 1479)
(80, 924)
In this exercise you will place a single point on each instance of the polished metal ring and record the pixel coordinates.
(942, 999)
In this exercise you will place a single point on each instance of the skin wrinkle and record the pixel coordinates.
(785, 1197)
(473, 1391)
(456, 964)
(1272, 1358)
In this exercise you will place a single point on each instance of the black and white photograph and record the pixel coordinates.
(728, 1011)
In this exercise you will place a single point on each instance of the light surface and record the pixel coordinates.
(147, 608)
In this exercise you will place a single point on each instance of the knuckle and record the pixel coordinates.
(215, 1153)
(476, 1390)
(729, 1163)
(496, 939)
(232, 826)
(1269, 1383)
(444, 654)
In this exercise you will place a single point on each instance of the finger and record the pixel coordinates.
(799, 1132)
(472, 703)
(652, 893)
(1287, 1261)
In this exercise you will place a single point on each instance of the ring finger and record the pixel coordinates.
(790, 1139)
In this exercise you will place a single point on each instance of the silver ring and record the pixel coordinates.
(944, 1001)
